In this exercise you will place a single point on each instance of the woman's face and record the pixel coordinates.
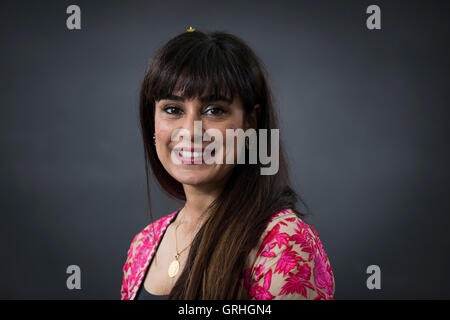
(174, 113)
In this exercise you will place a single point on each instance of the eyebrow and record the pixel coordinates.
(207, 99)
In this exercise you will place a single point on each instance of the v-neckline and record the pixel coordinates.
(147, 268)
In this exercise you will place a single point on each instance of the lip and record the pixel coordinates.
(191, 149)
(189, 161)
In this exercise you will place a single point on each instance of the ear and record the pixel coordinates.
(252, 119)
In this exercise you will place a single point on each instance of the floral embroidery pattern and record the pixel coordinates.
(290, 262)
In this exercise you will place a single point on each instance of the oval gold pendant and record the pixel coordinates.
(173, 268)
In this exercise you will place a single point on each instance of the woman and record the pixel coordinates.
(238, 234)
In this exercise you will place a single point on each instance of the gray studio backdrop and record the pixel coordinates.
(363, 114)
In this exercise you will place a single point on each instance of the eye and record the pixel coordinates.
(215, 111)
(174, 110)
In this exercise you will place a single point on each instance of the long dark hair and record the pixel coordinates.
(217, 62)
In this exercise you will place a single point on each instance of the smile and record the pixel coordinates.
(190, 155)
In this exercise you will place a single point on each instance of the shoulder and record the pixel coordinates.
(150, 235)
(289, 262)
(140, 248)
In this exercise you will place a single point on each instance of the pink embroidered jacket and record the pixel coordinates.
(288, 263)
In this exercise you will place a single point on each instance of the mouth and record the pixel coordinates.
(191, 155)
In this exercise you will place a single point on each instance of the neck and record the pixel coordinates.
(198, 198)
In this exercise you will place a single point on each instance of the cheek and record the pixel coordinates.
(163, 131)
(235, 122)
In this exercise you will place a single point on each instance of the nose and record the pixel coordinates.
(192, 122)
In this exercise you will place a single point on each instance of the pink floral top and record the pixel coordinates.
(288, 263)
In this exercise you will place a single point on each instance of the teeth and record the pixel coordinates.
(189, 154)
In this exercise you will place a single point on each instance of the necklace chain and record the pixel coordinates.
(176, 241)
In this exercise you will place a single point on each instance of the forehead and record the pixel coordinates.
(204, 98)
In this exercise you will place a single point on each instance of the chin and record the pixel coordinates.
(192, 177)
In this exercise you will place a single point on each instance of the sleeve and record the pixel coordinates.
(290, 264)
